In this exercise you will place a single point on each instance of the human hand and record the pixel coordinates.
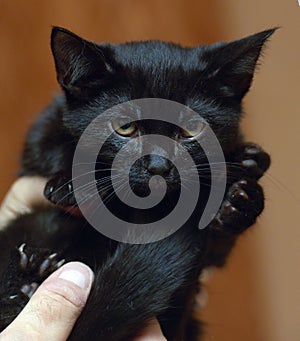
(54, 308)
(25, 194)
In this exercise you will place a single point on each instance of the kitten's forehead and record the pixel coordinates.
(149, 55)
(159, 69)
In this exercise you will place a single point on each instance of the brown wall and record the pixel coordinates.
(257, 296)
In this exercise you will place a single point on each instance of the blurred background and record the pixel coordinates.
(257, 296)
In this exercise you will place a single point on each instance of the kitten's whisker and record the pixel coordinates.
(90, 197)
(112, 194)
(69, 182)
(105, 200)
(94, 170)
(281, 186)
(201, 182)
(84, 187)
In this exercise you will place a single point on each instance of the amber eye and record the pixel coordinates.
(192, 128)
(126, 129)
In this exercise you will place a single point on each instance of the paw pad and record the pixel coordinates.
(240, 208)
(253, 159)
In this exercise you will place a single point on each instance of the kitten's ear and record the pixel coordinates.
(233, 64)
(79, 63)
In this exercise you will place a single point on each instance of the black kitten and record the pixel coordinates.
(133, 283)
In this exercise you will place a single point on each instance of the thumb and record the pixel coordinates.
(54, 308)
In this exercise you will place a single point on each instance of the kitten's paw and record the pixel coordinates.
(35, 267)
(59, 190)
(243, 204)
(253, 159)
(27, 268)
(43, 264)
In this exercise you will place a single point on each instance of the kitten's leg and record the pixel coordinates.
(243, 202)
(137, 283)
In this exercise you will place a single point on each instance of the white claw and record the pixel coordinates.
(60, 263)
(21, 247)
(52, 256)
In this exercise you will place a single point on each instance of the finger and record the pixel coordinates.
(151, 333)
(54, 308)
(24, 195)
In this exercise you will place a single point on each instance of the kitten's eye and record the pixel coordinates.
(126, 129)
(192, 128)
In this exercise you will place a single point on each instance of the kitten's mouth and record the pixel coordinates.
(157, 183)
(73, 210)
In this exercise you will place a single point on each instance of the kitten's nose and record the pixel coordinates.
(158, 165)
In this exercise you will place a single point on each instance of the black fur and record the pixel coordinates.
(133, 283)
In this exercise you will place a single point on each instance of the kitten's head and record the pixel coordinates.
(211, 80)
